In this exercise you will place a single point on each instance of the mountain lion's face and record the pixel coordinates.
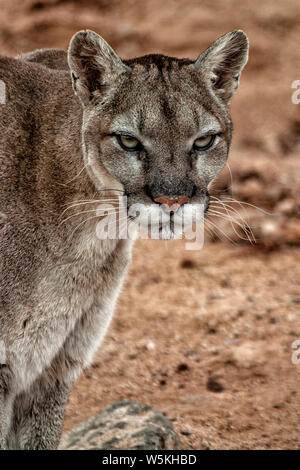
(156, 127)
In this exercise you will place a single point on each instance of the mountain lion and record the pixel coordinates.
(77, 129)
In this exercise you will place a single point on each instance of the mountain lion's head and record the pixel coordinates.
(156, 127)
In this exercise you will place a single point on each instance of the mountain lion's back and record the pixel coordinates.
(51, 58)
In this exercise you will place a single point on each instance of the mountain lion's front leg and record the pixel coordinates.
(5, 419)
(6, 400)
(38, 416)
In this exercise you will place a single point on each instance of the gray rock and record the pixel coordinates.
(123, 425)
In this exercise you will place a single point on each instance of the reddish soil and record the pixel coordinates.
(204, 336)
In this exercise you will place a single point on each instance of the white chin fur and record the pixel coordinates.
(154, 222)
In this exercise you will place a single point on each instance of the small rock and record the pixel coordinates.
(278, 406)
(188, 264)
(123, 425)
(190, 353)
(150, 346)
(269, 228)
(287, 206)
(247, 355)
(95, 365)
(156, 279)
(212, 330)
(186, 432)
(132, 355)
(182, 367)
(214, 385)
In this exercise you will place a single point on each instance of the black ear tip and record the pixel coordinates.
(84, 36)
(240, 36)
(239, 32)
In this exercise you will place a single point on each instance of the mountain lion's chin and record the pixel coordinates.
(164, 232)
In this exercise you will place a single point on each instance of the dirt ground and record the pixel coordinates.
(205, 337)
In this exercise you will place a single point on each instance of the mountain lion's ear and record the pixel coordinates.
(93, 63)
(224, 61)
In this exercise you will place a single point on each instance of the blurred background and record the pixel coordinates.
(204, 336)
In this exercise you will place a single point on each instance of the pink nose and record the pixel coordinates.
(172, 204)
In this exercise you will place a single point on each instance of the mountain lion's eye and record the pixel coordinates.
(204, 143)
(129, 143)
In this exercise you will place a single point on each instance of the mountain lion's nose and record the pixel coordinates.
(171, 204)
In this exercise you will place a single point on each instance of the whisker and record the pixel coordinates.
(214, 226)
(231, 209)
(111, 211)
(110, 189)
(73, 179)
(118, 220)
(91, 218)
(214, 184)
(231, 178)
(81, 223)
(232, 222)
(89, 202)
(209, 230)
(242, 203)
(232, 214)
